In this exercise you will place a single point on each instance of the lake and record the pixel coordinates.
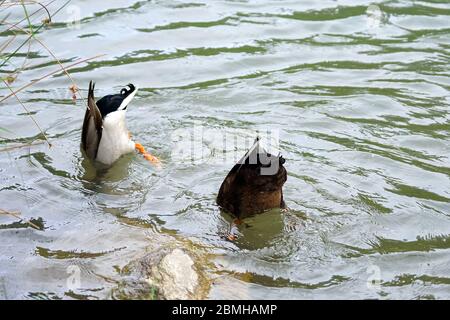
(354, 94)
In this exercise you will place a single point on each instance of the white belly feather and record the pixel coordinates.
(115, 140)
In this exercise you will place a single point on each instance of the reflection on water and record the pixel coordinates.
(358, 92)
(259, 231)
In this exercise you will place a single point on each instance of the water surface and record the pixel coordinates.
(360, 101)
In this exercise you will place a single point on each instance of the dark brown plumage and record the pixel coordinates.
(254, 184)
(92, 126)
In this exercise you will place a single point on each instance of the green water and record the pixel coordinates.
(361, 105)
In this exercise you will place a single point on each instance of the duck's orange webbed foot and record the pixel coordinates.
(149, 157)
(231, 235)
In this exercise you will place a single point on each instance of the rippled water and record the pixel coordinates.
(360, 101)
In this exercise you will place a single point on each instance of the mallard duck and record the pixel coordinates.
(105, 137)
(254, 184)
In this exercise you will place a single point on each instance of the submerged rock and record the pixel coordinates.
(171, 273)
(176, 276)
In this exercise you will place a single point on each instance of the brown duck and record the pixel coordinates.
(254, 184)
